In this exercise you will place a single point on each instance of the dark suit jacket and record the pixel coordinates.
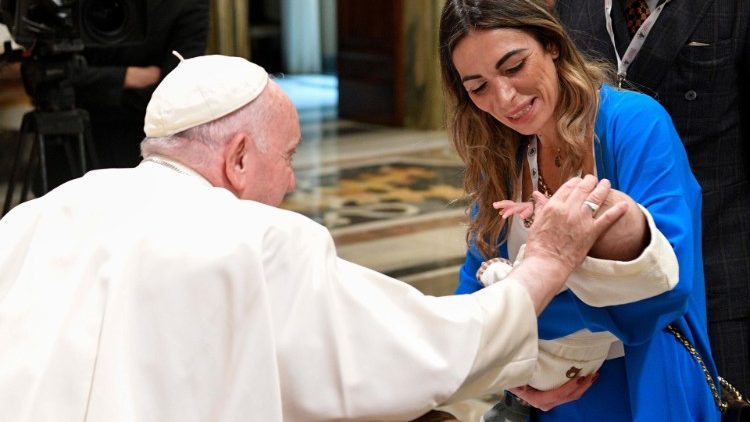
(116, 113)
(696, 62)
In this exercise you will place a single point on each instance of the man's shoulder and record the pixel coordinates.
(177, 202)
(248, 219)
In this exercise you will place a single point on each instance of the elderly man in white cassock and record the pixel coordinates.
(177, 291)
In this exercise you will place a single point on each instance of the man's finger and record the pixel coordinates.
(606, 220)
(598, 195)
(582, 191)
(564, 191)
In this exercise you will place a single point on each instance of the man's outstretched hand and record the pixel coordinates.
(562, 234)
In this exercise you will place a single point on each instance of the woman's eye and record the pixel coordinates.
(516, 68)
(478, 89)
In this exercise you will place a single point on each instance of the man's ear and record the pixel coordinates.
(235, 161)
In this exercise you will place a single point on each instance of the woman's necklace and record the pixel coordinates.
(537, 181)
(543, 188)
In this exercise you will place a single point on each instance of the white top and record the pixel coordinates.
(145, 295)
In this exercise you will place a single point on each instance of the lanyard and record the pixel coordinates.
(533, 164)
(623, 63)
(532, 159)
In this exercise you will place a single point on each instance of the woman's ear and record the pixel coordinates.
(554, 51)
(236, 162)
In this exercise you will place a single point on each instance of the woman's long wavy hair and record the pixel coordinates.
(487, 147)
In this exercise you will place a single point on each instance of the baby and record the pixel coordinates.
(623, 241)
(623, 266)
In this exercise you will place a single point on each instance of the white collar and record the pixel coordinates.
(175, 166)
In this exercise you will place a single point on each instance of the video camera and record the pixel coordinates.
(65, 26)
(53, 34)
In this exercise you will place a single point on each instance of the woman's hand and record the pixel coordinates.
(546, 400)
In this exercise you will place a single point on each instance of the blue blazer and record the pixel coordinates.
(638, 149)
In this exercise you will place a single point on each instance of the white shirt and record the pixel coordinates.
(5, 36)
(147, 295)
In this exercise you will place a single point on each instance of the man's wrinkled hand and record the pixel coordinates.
(565, 228)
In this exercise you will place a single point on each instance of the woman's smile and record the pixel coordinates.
(523, 113)
(510, 75)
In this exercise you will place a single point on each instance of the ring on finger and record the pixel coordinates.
(592, 206)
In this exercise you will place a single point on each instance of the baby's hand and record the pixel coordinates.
(525, 210)
(507, 208)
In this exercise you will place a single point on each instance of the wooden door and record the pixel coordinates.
(370, 61)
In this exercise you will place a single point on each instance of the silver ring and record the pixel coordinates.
(592, 206)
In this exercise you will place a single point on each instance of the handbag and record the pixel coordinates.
(733, 405)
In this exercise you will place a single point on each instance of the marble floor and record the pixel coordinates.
(392, 198)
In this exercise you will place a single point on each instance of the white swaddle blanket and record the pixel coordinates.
(598, 283)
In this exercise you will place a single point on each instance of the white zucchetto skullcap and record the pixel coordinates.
(202, 89)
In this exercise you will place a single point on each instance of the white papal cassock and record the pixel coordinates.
(147, 295)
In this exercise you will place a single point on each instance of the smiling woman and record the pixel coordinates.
(526, 112)
(520, 89)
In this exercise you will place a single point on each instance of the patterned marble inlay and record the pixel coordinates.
(387, 190)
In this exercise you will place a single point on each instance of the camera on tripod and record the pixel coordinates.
(53, 34)
(70, 25)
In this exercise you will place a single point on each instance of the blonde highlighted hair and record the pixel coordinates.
(487, 147)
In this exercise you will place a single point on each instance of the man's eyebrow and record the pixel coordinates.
(499, 63)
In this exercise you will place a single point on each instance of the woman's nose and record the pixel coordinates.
(505, 92)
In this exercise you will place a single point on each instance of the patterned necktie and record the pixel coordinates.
(636, 11)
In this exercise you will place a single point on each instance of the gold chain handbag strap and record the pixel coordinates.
(723, 405)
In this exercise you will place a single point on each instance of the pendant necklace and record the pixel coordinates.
(537, 181)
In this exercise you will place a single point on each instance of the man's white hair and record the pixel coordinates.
(199, 145)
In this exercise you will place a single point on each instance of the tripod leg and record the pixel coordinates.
(89, 140)
(33, 158)
(43, 163)
(22, 134)
(72, 166)
(82, 153)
